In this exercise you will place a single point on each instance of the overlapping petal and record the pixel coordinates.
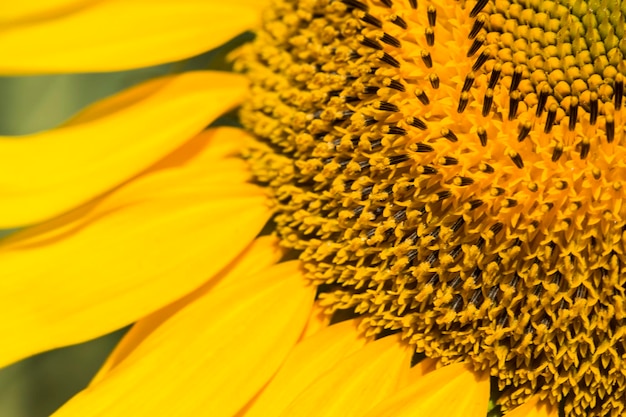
(212, 356)
(318, 321)
(55, 36)
(261, 254)
(310, 359)
(125, 255)
(452, 391)
(45, 174)
(356, 384)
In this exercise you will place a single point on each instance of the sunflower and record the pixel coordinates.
(421, 213)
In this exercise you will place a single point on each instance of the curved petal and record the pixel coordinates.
(261, 254)
(416, 373)
(310, 359)
(318, 321)
(356, 384)
(111, 35)
(452, 391)
(125, 255)
(225, 346)
(534, 408)
(32, 9)
(45, 174)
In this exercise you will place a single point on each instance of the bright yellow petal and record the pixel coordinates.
(318, 321)
(356, 384)
(212, 356)
(417, 372)
(13, 11)
(124, 256)
(111, 35)
(261, 254)
(452, 391)
(45, 174)
(534, 408)
(310, 359)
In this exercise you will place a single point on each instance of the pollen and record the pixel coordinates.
(452, 170)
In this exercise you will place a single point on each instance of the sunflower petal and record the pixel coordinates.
(111, 35)
(261, 254)
(45, 174)
(534, 408)
(318, 321)
(356, 384)
(32, 9)
(227, 344)
(310, 359)
(452, 391)
(124, 256)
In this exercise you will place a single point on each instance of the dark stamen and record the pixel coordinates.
(430, 36)
(524, 131)
(432, 15)
(469, 82)
(356, 4)
(478, 42)
(478, 7)
(398, 21)
(463, 100)
(448, 134)
(421, 95)
(390, 40)
(390, 60)
(482, 135)
(374, 21)
(495, 76)
(477, 26)
(386, 106)
(487, 102)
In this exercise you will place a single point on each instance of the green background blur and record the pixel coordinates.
(37, 386)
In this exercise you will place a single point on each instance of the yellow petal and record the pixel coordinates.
(261, 254)
(310, 359)
(452, 391)
(15, 11)
(45, 174)
(212, 356)
(356, 384)
(534, 408)
(124, 256)
(111, 35)
(417, 372)
(318, 321)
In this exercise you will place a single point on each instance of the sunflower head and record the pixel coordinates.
(454, 170)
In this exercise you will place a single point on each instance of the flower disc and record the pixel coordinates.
(455, 170)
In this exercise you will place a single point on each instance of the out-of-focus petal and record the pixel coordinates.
(261, 254)
(15, 11)
(452, 391)
(110, 35)
(125, 255)
(212, 356)
(45, 174)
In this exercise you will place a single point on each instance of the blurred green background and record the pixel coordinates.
(37, 386)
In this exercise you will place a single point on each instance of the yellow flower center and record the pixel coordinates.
(455, 170)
